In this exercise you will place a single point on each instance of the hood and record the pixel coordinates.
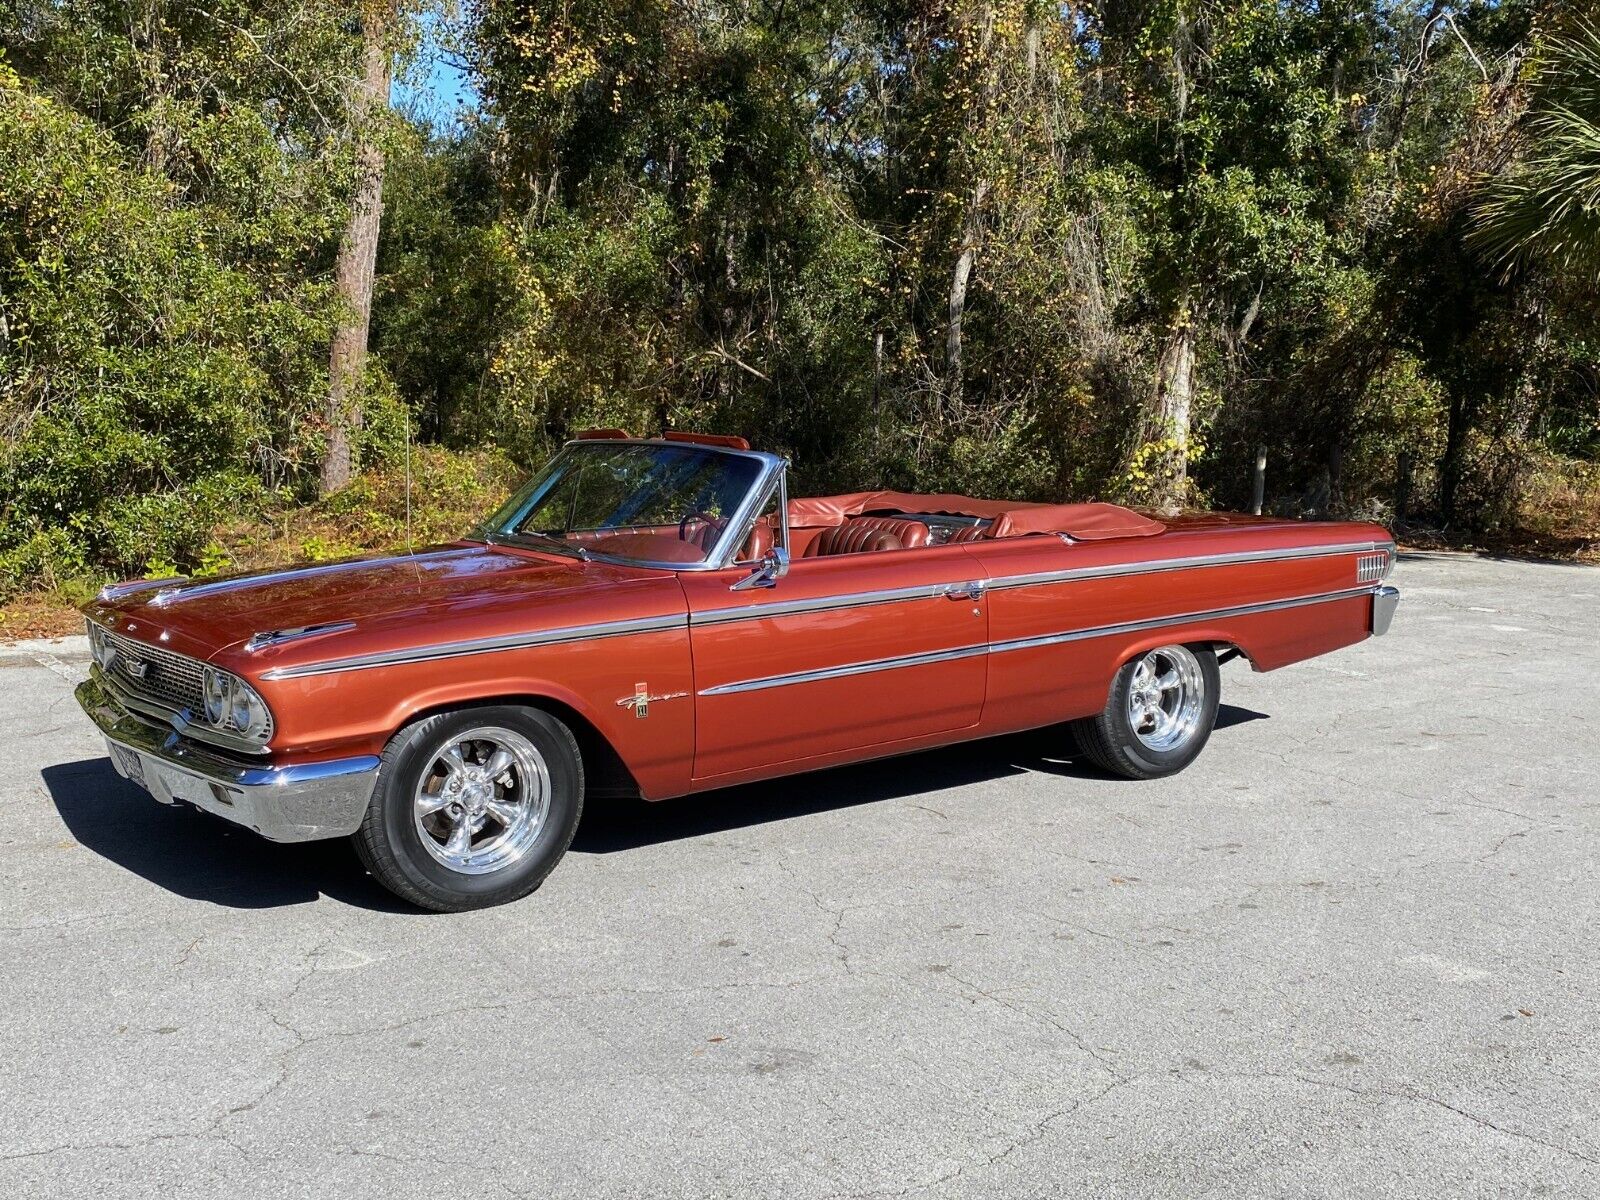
(416, 598)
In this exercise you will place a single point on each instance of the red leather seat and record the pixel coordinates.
(853, 538)
(759, 541)
(912, 534)
(968, 533)
(702, 533)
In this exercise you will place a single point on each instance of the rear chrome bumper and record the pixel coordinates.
(283, 804)
(1384, 601)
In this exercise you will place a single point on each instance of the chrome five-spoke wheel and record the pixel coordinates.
(482, 801)
(473, 807)
(1165, 697)
(1162, 706)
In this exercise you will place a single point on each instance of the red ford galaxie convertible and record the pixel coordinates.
(658, 616)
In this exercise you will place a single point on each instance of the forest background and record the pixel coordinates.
(260, 260)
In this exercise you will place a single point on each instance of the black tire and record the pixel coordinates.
(390, 838)
(1112, 743)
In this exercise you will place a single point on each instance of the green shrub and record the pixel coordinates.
(144, 380)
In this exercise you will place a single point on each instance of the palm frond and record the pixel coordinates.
(1548, 208)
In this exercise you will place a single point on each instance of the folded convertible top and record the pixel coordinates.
(1083, 522)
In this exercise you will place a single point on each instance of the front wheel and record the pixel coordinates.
(473, 807)
(1159, 714)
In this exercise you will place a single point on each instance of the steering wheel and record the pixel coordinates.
(703, 519)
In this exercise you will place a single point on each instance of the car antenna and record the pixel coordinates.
(409, 548)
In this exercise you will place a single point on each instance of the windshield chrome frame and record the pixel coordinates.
(774, 484)
(733, 533)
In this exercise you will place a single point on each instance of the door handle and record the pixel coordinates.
(964, 591)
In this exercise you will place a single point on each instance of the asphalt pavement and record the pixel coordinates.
(1352, 951)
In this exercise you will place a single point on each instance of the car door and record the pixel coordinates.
(843, 654)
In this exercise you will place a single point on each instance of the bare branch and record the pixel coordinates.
(268, 56)
(722, 352)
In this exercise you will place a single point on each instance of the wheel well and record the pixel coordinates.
(1226, 652)
(605, 774)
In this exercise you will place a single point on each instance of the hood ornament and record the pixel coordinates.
(167, 588)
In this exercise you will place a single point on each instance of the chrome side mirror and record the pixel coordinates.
(774, 565)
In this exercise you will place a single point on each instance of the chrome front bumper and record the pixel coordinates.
(283, 804)
(1384, 601)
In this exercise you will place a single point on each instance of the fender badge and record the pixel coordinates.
(641, 698)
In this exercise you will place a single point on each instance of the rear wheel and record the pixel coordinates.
(473, 807)
(1162, 707)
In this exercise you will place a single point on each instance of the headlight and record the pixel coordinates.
(232, 704)
(214, 690)
(100, 647)
(247, 712)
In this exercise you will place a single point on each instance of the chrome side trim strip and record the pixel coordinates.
(856, 668)
(1074, 635)
(786, 608)
(513, 641)
(1155, 566)
(789, 608)
(858, 599)
(1190, 618)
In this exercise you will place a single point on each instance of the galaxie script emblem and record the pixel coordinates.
(641, 698)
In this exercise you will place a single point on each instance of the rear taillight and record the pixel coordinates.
(1374, 566)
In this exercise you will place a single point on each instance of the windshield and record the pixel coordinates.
(636, 501)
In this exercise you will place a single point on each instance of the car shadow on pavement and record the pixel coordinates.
(610, 825)
(1229, 715)
(193, 854)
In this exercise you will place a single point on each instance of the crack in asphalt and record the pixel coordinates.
(993, 995)
(1038, 1130)
(1417, 1096)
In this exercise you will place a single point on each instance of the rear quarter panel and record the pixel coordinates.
(1092, 606)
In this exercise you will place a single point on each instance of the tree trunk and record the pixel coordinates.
(358, 252)
(1451, 464)
(971, 232)
(1170, 414)
(157, 134)
(1412, 77)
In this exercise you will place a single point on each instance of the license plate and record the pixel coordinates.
(129, 763)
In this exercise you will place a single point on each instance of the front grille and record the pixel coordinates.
(158, 675)
(1372, 567)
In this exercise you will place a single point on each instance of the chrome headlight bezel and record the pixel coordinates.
(247, 712)
(215, 696)
(233, 706)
